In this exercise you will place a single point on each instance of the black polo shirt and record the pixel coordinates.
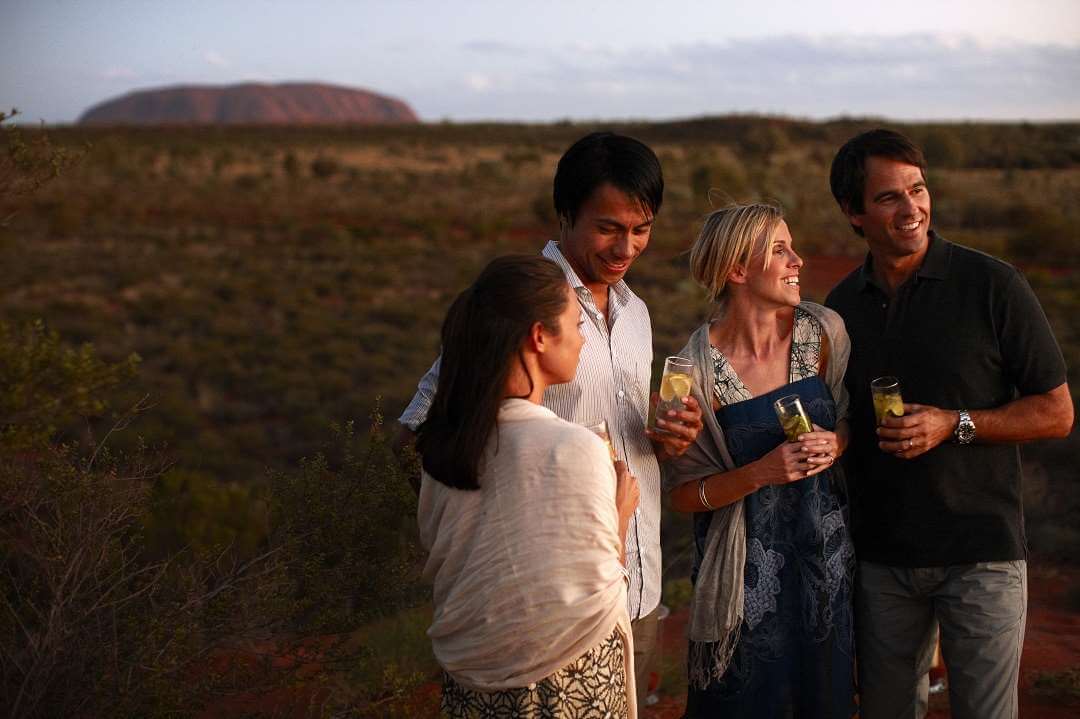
(964, 332)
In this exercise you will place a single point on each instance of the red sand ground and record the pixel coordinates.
(1052, 645)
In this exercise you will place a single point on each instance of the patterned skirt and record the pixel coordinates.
(593, 685)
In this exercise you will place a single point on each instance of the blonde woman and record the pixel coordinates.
(771, 621)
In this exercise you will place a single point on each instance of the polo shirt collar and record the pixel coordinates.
(554, 253)
(935, 265)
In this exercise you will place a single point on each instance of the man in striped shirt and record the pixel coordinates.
(607, 191)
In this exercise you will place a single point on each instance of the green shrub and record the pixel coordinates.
(678, 593)
(27, 162)
(290, 165)
(944, 147)
(1060, 684)
(120, 578)
(192, 510)
(1042, 234)
(49, 385)
(325, 167)
(347, 527)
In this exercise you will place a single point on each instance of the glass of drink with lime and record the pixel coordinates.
(793, 418)
(887, 400)
(675, 384)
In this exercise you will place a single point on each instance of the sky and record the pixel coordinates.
(520, 60)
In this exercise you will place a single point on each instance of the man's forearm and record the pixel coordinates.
(1039, 416)
(923, 427)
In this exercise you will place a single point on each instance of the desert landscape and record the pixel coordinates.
(229, 319)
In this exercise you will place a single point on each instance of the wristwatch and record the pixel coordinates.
(965, 429)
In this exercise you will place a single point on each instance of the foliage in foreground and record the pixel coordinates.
(97, 621)
(27, 162)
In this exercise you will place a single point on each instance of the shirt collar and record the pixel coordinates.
(553, 253)
(935, 264)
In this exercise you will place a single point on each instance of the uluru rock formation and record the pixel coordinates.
(250, 103)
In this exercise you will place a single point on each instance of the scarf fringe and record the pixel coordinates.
(709, 660)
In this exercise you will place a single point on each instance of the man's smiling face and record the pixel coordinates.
(610, 231)
(896, 208)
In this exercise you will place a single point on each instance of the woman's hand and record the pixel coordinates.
(789, 462)
(821, 446)
(792, 461)
(626, 491)
(626, 501)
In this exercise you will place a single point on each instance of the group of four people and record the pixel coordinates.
(545, 555)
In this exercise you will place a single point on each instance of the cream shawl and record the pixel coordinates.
(525, 571)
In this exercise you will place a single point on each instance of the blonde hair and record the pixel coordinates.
(730, 236)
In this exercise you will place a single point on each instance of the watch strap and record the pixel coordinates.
(965, 428)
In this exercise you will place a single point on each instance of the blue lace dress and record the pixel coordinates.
(794, 657)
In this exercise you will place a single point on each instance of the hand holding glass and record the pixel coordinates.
(887, 400)
(793, 418)
(675, 384)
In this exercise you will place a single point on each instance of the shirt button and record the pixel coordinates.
(621, 394)
(599, 316)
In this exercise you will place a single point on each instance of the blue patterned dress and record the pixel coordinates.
(794, 657)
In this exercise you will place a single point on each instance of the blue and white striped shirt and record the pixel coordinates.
(612, 383)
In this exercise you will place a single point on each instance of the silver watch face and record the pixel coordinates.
(965, 431)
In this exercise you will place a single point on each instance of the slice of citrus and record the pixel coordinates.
(674, 385)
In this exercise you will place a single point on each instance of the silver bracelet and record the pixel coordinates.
(701, 494)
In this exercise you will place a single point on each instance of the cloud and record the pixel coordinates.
(478, 82)
(215, 58)
(921, 76)
(119, 73)
(494, 47)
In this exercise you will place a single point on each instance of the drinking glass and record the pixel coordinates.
(675, 384)
(887, 400)
(600, 429)
(793, 418)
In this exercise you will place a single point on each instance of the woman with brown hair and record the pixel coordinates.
(523, 513)
(771, 620)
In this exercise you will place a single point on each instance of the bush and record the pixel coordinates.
(324, 167)
(290, 165)
(26, 165)
(102, 618)
(49, 385)
(678, 593)
(1042, 234)
(347, 528)
(943, 147)
(719, 183)
(89, 627)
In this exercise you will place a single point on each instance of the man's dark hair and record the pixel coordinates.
(605, 157)
(847, 178)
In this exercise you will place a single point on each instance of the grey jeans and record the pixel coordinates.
(981, 610)
(646, 632)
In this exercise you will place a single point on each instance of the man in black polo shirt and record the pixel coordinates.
(937, 513)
